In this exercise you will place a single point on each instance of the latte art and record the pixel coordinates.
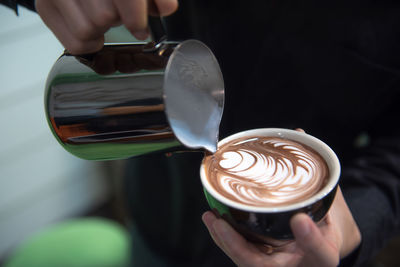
(266, 171)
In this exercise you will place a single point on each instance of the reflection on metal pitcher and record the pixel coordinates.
(117, 103)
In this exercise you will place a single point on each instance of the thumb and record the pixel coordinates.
(318, 251)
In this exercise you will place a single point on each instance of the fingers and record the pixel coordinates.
(102, 13)
(64, 29)
(350, 236)
(232, 243)
(166, 7)
(133, 15)
(310, 249)
(80, 24)
(318, 252)
(209, 219)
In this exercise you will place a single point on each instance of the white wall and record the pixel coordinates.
(40, 183)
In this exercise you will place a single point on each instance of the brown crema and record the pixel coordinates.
(266, 171)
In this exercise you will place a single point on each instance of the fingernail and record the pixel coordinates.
(300, 225)
(207, 219)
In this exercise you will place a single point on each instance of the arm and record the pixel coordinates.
(372, 191)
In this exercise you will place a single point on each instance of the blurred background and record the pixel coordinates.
(41, 185)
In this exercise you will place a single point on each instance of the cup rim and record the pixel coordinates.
(323, 149)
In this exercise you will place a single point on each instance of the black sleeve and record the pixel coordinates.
(371, 187)
(29, 4)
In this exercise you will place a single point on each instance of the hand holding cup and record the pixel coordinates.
(322, 244)
(280, 229)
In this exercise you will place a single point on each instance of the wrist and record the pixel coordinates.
(351, 240)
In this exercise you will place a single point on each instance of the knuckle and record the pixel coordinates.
(132, 25)
(78, 47)
(135, 24)
(84, 32)
(105, 18)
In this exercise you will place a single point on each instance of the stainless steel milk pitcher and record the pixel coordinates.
(133, 99)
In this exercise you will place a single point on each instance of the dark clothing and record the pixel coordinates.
(332, 69)
(166, 203)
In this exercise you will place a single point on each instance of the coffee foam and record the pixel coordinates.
(266, 171)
